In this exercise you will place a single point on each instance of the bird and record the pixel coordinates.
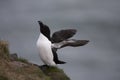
(48, 45)
(44, 46)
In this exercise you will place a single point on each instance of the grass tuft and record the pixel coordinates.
(4, 51)
(55, 73)
(22, 60)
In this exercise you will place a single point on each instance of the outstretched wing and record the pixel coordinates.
(70, 42)
(62, 35)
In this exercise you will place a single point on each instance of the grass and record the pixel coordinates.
(53, 69)
(56, 73)
(22, 60)
(4, 51)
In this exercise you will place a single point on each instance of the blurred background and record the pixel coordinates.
(95, 20)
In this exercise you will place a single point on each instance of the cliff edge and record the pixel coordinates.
(14, 68)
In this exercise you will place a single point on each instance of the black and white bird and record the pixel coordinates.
(48, 46)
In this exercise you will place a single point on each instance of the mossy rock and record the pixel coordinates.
(54, 73)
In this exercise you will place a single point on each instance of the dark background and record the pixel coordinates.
(95, 20)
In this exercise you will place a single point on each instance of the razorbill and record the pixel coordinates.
(44, 46)
(58, 40)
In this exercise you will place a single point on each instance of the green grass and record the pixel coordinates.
(54, 69)
(56, 73)
(22, 60)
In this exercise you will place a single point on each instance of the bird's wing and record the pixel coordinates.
(70, 42)
(62, 35)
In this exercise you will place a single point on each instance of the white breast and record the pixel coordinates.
(45, 52)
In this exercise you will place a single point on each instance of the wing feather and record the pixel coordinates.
(62, 35)
(70, 42)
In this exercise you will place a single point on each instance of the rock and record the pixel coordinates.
(13, 56)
